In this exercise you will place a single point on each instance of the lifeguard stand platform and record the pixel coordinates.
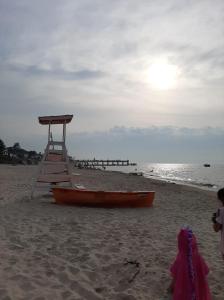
(54, 167)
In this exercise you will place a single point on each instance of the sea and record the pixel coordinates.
(208, 176)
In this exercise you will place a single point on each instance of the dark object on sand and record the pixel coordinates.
(136, 173)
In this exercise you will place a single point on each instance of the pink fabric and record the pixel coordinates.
(183, 284)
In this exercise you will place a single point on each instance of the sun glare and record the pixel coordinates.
(163, 75)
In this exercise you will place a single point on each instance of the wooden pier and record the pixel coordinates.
(92, 163)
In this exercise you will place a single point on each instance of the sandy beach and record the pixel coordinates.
(61, 252)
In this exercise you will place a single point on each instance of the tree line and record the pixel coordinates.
(17, 155)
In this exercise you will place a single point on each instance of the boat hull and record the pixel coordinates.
(103, 198)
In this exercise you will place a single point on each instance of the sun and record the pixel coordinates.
(162, 75)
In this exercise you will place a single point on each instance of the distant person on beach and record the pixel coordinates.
(189, 270)
(218, 219)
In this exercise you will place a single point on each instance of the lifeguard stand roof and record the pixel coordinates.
(62, 119)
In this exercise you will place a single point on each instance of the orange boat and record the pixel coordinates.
(103, 198)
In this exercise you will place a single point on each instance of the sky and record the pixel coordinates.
(143, 79)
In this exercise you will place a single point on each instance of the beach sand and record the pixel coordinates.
(61, 252)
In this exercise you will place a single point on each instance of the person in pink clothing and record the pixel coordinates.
(189, 270)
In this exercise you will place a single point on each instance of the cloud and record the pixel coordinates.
(33, 70)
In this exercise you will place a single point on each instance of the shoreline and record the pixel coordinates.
(202, 179)
(50, 251)
(184, 183)
(169, 181)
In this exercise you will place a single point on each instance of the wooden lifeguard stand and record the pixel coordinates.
(54, 167)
